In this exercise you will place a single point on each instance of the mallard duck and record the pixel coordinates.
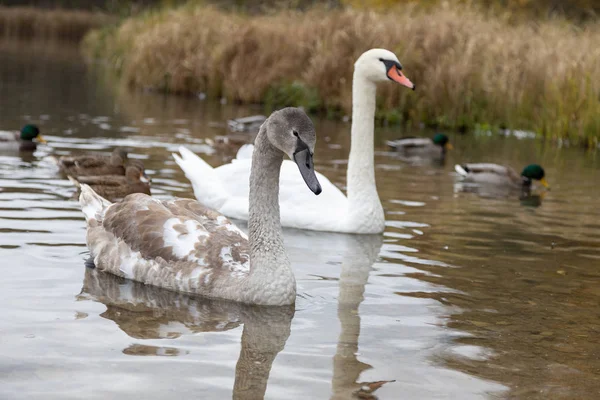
(502, 176)
(23, 140)
(426, 148)
(93, 164)
(228, 145)
(182, 245)
(115, 187)
(140, 165)
(246, 124)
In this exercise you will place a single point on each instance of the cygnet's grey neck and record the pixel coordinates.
(265, 236)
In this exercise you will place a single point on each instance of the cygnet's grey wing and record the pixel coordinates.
(178, 244)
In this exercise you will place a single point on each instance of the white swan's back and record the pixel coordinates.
(205, 181)
(299, 208)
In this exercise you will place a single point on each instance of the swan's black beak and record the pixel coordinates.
(304, 160)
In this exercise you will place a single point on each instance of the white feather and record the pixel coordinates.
(245, 152)
(300, 208)
(184, 244)
(210, 184)
(129, 260)
(460, 170)
(92, 204)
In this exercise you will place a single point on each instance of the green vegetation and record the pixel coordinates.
(470, 67)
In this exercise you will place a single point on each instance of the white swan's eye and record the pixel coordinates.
(295, 133)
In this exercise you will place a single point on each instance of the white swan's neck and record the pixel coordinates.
(363, 199)
(269, 264)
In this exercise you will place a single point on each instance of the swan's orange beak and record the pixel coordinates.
(396, 75)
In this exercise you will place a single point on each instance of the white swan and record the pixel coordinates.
(183, 246)
(226, 188)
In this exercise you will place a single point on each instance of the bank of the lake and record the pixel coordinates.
(50, 24)
(471, 68)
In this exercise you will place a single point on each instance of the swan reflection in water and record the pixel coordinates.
(361, 253)
(358, 254)
(146, 312)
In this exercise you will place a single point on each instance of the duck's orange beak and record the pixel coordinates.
(396, 75)
(449, 146)
(545, 183)
(41, 139)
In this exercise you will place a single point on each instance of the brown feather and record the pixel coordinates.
(140, 222)
(115, 187)
(93, 165)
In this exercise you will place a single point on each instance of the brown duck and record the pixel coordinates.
(94, 165)
(115, 187)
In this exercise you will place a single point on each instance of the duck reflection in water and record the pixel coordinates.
(526, 197)
(146, 312)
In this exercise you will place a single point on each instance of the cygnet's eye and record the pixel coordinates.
(295, 133)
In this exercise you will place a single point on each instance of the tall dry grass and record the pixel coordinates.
(470, 68)
(29, 22)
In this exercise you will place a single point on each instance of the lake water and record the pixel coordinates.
(463, 297)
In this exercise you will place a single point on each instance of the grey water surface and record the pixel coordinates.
(463, 297)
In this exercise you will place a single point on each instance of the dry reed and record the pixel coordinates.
(29, 22)
(470, 68)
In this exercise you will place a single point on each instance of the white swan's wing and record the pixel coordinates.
(235, 178)
(205, 181)
(292, 188)
(244, 152)
(294, 192)
(300, 208)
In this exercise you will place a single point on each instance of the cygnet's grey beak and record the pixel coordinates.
(304, 161)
